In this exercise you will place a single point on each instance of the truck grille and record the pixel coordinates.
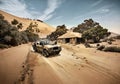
(55, 48)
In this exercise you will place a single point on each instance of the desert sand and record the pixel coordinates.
(74, 65)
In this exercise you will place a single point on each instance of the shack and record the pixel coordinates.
(70, 37)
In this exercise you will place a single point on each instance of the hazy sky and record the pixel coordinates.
(69, 12)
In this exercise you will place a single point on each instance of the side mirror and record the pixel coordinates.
(55, 42)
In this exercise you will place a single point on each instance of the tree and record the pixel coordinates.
(95, 34)
(60, 30)
(14, 22)
(87, 24)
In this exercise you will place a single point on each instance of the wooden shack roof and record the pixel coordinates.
(71, 34)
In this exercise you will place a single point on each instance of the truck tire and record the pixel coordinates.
(45, 53)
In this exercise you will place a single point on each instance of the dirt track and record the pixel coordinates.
(11, 63)
(74, 65)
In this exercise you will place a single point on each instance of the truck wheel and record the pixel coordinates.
(46, 54)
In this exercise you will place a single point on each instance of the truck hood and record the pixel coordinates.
(52, 46)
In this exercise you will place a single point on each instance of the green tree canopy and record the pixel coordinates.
(87, 24)
(95, 34)
(60, 30)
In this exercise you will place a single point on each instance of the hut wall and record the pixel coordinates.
(62, 40)
(59, 40)
(73, 40)
(79, 40)
(70, 40)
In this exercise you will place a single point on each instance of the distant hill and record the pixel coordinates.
(44, 28)
(113, 35)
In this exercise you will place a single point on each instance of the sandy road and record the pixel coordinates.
(78, 65)
(74, 65)
(11, 63)
(83, 66)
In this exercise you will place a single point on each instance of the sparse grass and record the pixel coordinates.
(112, 49)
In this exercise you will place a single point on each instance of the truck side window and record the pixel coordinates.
(41, 43)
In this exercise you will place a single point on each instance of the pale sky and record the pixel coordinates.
(68, 12)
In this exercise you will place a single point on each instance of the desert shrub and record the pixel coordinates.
(7, 39)
(4, 27)
(1, 16)
(109, 42)
(15, 35)
(24, 37)
(37, 30)
(19, 26)
(14, 22)
(112, 49)
(32, 36)
(100, 47)
(2, 46)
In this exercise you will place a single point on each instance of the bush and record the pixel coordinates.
(14, 22)
(1, 16)
(19, 26)
(109, 42)
(100, 47)
(7, 39)
(2, 46)
(112, 49)
(24, 37)
(32, 36)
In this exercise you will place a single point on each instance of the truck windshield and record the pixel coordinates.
(44, 42)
